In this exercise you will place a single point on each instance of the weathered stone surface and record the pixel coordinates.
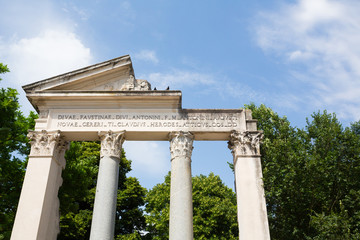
(251, 206)
(46, 143)
(37, 216)
(245, 143)
(147, 124)
(110, 75)
(133, 84)
(111, 143)
(181, 144)
(181, 208)
(103, 221)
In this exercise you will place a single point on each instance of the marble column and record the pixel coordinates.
(251, 205)
(37, 216)
(181, 207)
(103, 221)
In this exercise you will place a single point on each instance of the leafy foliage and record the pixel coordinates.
(311, 176)
(13, 149)
(214, 209)
(78, 193)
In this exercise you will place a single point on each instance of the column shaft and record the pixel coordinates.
(37, 216)
(181, 207)
(251, 205)
(103, 221)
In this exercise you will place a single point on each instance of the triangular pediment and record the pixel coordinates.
(112, 75)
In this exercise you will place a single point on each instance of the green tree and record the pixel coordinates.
(214, 209)
(13, 149)
(334, 158)
(311, 176)
(78, 193)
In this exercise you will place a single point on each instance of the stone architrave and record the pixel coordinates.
(181, 208)
(251, 206)
(103, 221)
(37, 216)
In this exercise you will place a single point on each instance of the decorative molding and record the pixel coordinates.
(111, 143)
(181, 144)
(245, 143)
(44, 143)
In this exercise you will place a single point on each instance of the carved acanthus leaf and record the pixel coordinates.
(245, 143)
(44, 143)
(181, 144)
(111, 143)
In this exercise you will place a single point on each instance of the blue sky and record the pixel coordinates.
(295, 56)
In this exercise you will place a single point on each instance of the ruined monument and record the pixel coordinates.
(105, 102)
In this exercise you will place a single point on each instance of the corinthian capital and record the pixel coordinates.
(181, 144)
(245, 143)
(46, 143)
(111, 143)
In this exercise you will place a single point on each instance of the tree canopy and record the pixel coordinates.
(214, 209)
(13, 150)
(78, 193)
(311, 176)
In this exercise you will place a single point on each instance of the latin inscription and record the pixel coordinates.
(152, 121)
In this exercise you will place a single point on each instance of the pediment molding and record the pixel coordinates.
(112, 79)
(110, 75)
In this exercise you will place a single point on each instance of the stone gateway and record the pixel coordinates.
(105, 102)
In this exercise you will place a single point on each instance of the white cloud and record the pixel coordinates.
(147, 55)
(239, 90)
(205, 83)
(38, 43)
(150, 160)
(322, 37)
(309, 12)
(126, 5)
(22, 18)
(72, 8)
(48, 54)
(300, 55)
(177, 78)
